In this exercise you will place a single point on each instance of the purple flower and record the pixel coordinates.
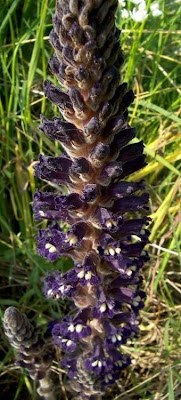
(50, 243)
(54, 169)
(106, 366)
(64, 132)
(104, 307)
(49, 206)
(60, 285)
(123, 188)
(107, 220)
(71, 365)
(70, 333)
(114, 335)
(97, 362)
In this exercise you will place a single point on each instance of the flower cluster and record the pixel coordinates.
(139, 13)
(104, 210)
(33, 353)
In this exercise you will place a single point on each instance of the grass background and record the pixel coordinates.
(152, 67)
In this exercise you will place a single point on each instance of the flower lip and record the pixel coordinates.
(90, 192)
(82, 166)
(108, 220)
(53, 169)
(92, 130)
(64, 132)
(99, 154)
(48, 205)
(122, 188)
(131, 203)
(58, 97)
(69, 333)
(110, 171)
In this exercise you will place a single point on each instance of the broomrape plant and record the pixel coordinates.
(104, 210)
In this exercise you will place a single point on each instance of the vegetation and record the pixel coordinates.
(152, 61)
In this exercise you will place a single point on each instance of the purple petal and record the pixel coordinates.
(109, 171)
(48, 205)
(131, 203)
(121, 140)
(133, 166)
(108, 220)
(99, 154)
(131, 152)
(64, 132)
(92, 130)
(61, 99)
(90, 193)
(121, 189)
(54, 169)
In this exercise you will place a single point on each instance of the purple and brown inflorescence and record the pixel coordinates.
(105, 212)
(33, 352)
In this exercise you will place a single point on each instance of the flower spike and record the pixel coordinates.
(105, 212)
(32, 352)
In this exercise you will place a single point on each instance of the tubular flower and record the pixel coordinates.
(107, 229)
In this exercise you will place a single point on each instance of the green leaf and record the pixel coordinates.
(170, 386)
(160, 110)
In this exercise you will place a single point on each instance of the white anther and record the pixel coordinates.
(119, 337)
(103, 307)
(142, 231)
(137, 298)
(99, 364)
(42, 214)
(95, 363)
(111, 251)
(81, 274)
(71, 328)
(88, 275)
(48, 245)
(72, 239)
(113, 339)
(62, 288)
(129, 272)
(79, 328)
(108, 223)
(135, 238)
(64, 340)
(50, 292)
(118, 250)
(52, 249)
(69, 343)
